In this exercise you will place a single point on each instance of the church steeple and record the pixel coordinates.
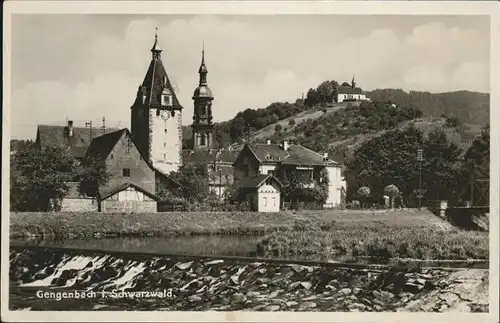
(203, 68)
(156, 117)
(202, 116)
(156, 50)
(353, 82)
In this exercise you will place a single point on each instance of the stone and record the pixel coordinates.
(307, 305)
(356, 291)
(213, 262)
(272, 308)
(412, 288)
(310, 298)
(291, 303)
(383, 295)
(238, 298)
(184, 266)
(330, 287)
(345, 291)
(357, 306)
(194, 298)
(252, 293)
(306, 285)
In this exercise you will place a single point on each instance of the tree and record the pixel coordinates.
(194, 183)
(476, 163)
(392, 191)
(441, 166)
(39, 177)
(346, 84)
(312, 98)
(291, 123)
(92, 176)
(363, 193)
(388, 159)
(325, 92)
(278, 128)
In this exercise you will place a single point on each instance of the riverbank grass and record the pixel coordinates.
(381, 243)
(67, 225)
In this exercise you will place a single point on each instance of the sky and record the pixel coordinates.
(86, 67)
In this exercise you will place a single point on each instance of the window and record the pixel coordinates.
(165, 130)
(202, 140)
(126, 172)
(274, 201)
(164, 156)
(265, 200)
(157, 112)
(111, 156)
(164, 144)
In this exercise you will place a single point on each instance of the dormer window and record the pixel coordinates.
(166, 99)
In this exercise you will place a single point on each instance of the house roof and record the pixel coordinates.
(294, 155)
(196, 156)
(155, 81)
(349, 90)
(103, 145)
(110, 190)
(57, 136)
(257, 181)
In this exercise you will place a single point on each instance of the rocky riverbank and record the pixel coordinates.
(227, 285)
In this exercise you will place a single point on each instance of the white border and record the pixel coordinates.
(491, 8)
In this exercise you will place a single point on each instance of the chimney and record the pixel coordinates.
(285, 145)
(268, 141)
(70, 128)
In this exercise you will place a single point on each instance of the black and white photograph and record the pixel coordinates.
(286, 164)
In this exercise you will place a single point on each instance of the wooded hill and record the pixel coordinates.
(315, 121)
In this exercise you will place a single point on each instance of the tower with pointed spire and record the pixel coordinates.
(353, 82)
(156, 117)
(202, 117)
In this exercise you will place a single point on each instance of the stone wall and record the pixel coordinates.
(78, 205)
(202, 283)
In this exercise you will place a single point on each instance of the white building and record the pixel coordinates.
(351, 93)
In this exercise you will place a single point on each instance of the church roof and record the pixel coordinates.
(197, 156)
(156, 80)
(203, 91)
(349, 90)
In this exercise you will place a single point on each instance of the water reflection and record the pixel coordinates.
(221, 246)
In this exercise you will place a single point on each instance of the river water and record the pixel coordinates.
(204, 245)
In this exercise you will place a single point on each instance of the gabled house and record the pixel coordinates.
(129, 171)
(263, 192)
(219, 163)
(286, 161)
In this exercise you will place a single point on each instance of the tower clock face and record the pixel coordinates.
(165, 115)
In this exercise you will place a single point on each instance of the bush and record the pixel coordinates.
(291, 123)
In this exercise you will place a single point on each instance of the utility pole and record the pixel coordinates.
(420, 159)
(220, 182)
(89, 124)
(103, 125)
